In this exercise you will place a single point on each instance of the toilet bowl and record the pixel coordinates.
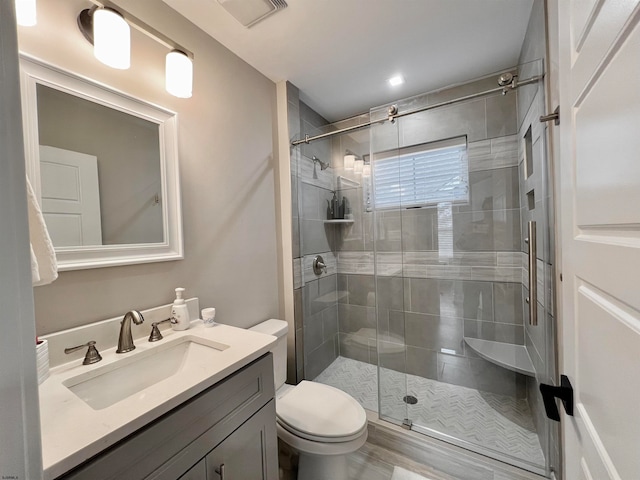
(323, 424)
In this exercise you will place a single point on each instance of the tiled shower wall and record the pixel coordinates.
(316, 311)
(428, 302)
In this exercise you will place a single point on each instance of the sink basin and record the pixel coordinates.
(106, 385)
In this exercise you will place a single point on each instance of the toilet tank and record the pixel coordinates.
(277, 328)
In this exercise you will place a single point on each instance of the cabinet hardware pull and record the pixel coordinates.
(220, 471)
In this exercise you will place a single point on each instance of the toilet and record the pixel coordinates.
(323, 424)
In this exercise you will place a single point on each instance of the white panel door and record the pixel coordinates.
(70, 197)
(599, 71)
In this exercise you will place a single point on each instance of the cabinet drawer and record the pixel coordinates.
(169, 443)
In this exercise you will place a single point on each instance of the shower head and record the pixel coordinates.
(323, 165)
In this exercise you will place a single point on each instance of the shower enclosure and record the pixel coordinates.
(422, 312)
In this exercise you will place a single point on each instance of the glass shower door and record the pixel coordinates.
(386, 233)
(453, 190)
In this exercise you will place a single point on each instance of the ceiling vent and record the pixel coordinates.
(250, 12)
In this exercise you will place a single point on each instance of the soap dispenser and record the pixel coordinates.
(335, 207)
(179, 312)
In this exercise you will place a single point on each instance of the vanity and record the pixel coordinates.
(198, 404)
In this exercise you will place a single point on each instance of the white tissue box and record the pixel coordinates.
(42, 360)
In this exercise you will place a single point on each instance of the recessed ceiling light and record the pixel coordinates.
(395, 81)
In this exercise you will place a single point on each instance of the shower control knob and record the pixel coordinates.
(318, 265)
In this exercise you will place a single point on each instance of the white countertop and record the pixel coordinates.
(73, 432)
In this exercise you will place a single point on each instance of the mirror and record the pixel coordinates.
(104, 167)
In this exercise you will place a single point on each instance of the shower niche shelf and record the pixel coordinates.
(344, 221)
(507, 355)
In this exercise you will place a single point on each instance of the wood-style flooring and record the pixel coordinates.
(391, 446)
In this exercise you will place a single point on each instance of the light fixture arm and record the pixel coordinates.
(85, 24)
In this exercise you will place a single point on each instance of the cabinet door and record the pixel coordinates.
(197, 472)
(251, 452)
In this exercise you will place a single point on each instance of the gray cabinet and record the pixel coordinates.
(245, 454)
(197, 472)
(232, 424)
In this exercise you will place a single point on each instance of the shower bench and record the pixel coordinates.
(507, 355)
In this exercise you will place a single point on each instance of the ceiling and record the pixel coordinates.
(340, 53)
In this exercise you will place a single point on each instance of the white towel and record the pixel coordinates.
(44, 267)
(400, 473)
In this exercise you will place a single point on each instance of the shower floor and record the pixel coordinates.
(498, 422)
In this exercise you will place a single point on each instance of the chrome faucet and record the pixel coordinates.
(125, 340)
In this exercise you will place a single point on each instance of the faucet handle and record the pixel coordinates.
(155, 331)
(92, 356)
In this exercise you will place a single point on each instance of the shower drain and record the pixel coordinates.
(410, 399)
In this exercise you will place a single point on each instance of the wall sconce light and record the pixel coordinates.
(349, 160)
(111, 38)
(366, 170)
(108, 30)
(26, 13)
(358, 166)
(179, 74)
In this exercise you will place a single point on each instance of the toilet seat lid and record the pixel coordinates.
(320, 411)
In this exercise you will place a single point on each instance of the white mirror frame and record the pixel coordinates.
(34, 72)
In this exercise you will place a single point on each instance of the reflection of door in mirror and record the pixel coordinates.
(70, 197)
(127, 149)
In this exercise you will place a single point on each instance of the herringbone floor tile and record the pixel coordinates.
(498, 422)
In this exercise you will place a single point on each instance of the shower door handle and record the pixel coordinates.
(564, 392)
(532, 299)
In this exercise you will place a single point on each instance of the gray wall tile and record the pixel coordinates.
(312, 332)
(496, 189)
(434, 332)
(497, 332)
(454, 298)
(390, 293)
(418, 226)
(295, 234)
(316, 236)
(298, 311)
(507, 303)
(357, 319)
(310, 201)
(391, 325)
(319, 359)
(318, 295)
(463, 119)
(392, 356)
(388, 231)
(495, 379)
(355, 347)
(299, 355)
(501, 116)
(422, 362)
(487, 231)
(329, 323)
(362, 290)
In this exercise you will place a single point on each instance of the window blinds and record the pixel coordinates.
(425, 174)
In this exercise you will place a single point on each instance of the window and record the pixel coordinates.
(425, 174)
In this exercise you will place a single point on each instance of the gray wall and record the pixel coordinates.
(226, 167)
